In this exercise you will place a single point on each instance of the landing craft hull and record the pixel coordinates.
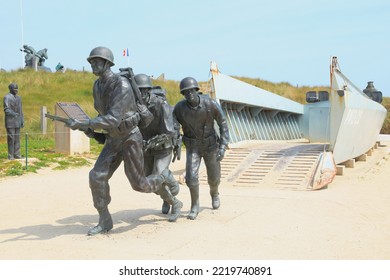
(348, 124)
(355, 120)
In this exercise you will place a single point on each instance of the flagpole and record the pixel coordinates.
(21, 25)
(128, 57)
(126, 53)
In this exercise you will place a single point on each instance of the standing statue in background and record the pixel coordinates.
(14, 120)
(196, 114)
(160, 139)
(35, 60)
(115, 102)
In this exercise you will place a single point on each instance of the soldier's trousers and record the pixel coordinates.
(213, 167)
(156, 162)
(13, 141)
(128, 149)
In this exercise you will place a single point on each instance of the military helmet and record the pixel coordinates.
(143, 81)
(188, 83)
(102, 52)
(12, 86)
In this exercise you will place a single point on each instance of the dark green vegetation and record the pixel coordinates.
(39, 89)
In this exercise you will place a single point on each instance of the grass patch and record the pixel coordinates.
(11, 168)
(41, 154)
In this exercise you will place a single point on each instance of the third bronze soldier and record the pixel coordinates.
(196, 114)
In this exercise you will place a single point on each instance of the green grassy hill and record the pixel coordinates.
(39, 89)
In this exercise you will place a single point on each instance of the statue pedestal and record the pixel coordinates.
(70, 141)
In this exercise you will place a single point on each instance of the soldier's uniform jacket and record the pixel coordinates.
(162, 122)
(13, 111)
(198, 124)
(115, 102)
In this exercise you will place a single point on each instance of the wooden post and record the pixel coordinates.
(43, 120)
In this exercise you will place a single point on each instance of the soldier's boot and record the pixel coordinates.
(173, 186)
(171, 200)
(215, 201)
(165, 207)
(105, 223)
(176, 210)
(194, 191)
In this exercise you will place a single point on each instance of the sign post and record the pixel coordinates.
(67, 140)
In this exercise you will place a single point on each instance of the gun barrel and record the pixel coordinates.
(179, 147)
(56, 118)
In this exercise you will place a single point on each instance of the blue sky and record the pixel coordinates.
(279, 40)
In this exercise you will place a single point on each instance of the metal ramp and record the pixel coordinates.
(289, 166)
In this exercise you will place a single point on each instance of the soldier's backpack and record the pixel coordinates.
(159, 91)
(144, 113)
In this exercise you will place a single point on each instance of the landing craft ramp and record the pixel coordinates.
(253, 113)
(267, 146)
(270, 164)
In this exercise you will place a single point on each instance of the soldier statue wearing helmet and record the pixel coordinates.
(160, 137)
(102, 52)
(188, 83)
(145, 85)
(196, 114)
(117, 114)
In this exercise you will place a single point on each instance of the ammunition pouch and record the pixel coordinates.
(99, 137)
(125, 126)
(158, 143)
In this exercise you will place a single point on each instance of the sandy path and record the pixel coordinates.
(46, 216)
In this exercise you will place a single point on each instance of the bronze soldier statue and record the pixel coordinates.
(115, 103)
(14, 120)
(160, 137)
(196, 114)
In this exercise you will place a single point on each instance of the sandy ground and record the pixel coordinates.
(45, 216)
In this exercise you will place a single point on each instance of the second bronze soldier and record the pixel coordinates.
(160, 137)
